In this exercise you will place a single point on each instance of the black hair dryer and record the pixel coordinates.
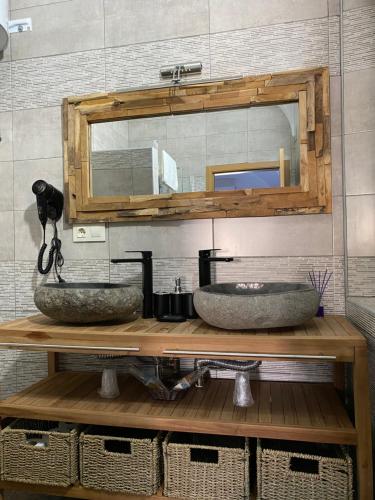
(50, 203)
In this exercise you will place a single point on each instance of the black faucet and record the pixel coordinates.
(205, 259)
(146, 261)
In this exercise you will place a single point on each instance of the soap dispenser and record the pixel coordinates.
(177, 305)
(182, 302)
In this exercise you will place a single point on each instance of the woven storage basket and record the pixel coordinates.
(206, 467)
(121, 460)
(39, 452)
(295, 471)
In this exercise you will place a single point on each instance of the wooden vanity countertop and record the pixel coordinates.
(332, 338)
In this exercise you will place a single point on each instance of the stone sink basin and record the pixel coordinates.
(88, 302)
(242, 306)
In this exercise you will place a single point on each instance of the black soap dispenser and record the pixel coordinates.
(182, 302)
(176, 312)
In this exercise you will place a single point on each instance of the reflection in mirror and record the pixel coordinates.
(220, 150)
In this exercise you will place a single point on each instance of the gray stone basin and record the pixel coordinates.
(88, 302)
(242, 306)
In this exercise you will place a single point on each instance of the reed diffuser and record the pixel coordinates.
(319, 281)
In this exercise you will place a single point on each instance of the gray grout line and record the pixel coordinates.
(348, 195)
(39, 5)
(365, 131)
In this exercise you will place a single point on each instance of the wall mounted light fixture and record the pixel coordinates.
(179, 70)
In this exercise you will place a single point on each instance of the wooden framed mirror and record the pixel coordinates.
(155, 153)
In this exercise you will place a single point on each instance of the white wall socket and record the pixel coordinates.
(88, 232)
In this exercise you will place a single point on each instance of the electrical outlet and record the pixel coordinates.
(88, 232)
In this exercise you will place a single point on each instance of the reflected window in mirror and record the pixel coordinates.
(175, 153)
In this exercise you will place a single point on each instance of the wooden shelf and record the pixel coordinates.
(75, 491)
(282, 410)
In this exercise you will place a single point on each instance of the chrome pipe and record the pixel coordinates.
(238, 366)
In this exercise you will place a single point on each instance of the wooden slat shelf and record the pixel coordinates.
(75, 491)
(294, 411)
(332, 337)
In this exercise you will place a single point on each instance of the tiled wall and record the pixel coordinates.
(124, 43)
(359, 112)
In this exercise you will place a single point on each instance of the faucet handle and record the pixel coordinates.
(146, 254)
(207, 253)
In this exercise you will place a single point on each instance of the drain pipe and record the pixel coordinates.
(242, 395)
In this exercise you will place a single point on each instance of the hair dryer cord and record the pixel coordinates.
(55, 257)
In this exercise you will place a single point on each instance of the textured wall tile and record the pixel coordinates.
(361, 225)
(334, 45)
(128, 22)
(137, 65)
(311, 372)
(31, 368)
(6, 134)
(270, 48)
(37, 133)
(361, 276)
(45, 81)
(7, 291)
(359, 38)
(359, 99)
(6, 185)
(171, 239)
(8, 378)
(228, 15)
(360, 163)
(59, 28)
(274, 236)
(5, 87)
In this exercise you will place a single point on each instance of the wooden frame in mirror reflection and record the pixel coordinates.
(251, 146)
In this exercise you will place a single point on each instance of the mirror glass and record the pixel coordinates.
(209, 151)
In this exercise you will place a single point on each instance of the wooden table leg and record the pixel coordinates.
(339, 376)
(363, 424)
(53, 363)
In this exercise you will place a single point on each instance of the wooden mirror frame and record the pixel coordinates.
(310, 88)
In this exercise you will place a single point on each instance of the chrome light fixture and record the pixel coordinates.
(176, 72)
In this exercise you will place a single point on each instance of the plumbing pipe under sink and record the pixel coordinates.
(242, 395)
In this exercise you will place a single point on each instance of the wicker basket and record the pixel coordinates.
(121, 460)
(295, 471)
(39, 452)
(206, 467)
